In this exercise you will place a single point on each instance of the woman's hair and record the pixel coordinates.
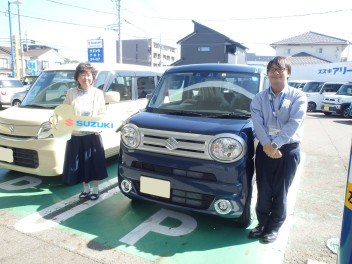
(85, 67)
(282, 62)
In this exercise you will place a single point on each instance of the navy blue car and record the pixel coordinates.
(193, 146)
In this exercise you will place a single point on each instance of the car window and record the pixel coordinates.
(10, 83)
(331, 87)
(145, 85)
(101, 79)
(123, 85)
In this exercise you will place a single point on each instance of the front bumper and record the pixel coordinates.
(43, 157)
(195, 185)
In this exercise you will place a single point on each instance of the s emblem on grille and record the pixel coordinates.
(7, 128)
(171, 143)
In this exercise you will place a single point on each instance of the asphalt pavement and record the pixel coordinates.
(315, 215)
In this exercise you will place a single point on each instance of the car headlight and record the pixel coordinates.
(227, 148)
(45, 130)
(130, 136)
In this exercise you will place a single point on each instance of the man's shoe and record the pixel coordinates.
(257, 232)
(270, 237)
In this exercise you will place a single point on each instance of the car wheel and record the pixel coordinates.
(247, 216)
(345, 112)
(327, 113)
(311, 107)
(16, 102)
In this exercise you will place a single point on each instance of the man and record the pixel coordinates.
(277, 114)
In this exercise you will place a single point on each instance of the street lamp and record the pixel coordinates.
(19, 29)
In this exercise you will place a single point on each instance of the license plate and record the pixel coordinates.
(326, 108)
(6, 154)
(155, 187)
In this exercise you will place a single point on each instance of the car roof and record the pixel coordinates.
(217, 67)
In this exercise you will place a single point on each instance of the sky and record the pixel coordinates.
(69, 24)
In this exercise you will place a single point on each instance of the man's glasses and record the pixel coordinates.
(272, 69)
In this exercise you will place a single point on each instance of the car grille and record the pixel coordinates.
(175, 143)
(174, 172)
(25, 158)
(184, 198)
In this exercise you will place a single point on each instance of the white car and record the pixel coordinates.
(27, 143)
(338, 103)
(8, 87)
(17, 98)
(315, 92)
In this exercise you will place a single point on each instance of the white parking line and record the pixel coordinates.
(275, 252)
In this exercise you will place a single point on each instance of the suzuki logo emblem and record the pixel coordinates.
(171, 143)
(69, 122)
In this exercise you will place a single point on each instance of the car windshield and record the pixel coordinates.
(50, 89)
(312, 87)
(205, 93)
(345, 90)
(10, 83)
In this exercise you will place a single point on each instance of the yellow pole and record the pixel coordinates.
(16, 56)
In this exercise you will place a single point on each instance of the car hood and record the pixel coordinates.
(190, 124)
(23, 121)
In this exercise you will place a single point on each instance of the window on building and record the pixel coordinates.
(287, 51)
(4, 63)
(201, 49)
(45, 65)
(319, 50)
(136, 47)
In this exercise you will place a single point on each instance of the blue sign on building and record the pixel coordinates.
(96, 50)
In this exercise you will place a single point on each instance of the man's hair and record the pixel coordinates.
(282, 62)
(85, 67)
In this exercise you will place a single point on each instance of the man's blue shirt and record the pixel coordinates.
(285, 116)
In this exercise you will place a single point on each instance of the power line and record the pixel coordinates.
(80, 7)
(241, 19)
(56, 21)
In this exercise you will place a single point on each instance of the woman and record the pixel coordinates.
(85, 157)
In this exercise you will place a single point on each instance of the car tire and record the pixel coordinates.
(16, 102)
(247, 216)
(327, 113)
(311, 107)
(345, 112)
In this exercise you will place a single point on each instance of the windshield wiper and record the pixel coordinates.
(184, 113)
(39, 106)
(230, 115)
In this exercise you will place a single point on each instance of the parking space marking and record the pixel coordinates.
(37, 221)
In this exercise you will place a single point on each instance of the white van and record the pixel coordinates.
(8, 87)
(26, 141)
(315, 92)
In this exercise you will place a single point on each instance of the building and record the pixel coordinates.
(35, 60)
(311, 48)
(205, 45)
(148, 52)
(255, 60)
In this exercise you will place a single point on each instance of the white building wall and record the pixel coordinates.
(328, 72)
(329, 52)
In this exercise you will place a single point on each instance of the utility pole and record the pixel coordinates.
(22, 72)
(118, 6)
(12, 47)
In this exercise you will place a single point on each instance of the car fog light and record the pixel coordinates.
(222, 206)
(126, 186)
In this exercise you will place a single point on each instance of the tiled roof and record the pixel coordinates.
(254, 57)
(310, 38)
(305, 58)
(225, 37)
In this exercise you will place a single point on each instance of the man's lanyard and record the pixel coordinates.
(272, 103)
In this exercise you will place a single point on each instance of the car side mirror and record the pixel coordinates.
(112, 97)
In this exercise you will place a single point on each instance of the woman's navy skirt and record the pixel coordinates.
(84, 160)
